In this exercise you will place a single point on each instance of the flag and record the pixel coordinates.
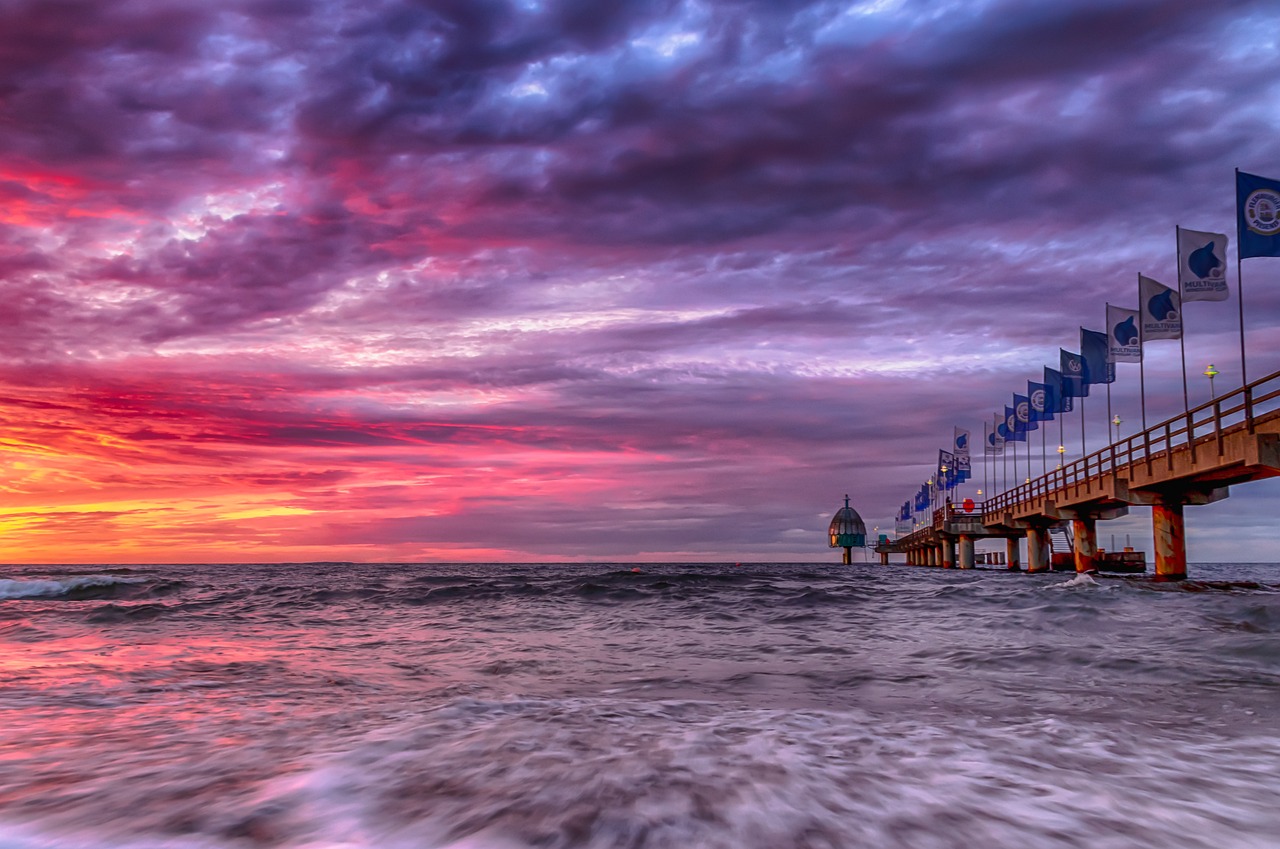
(946, 469)
(1257, 216)
(962, 454)
(1022, 414)
(994, 442)
(1161, 309)
(1041, 402)
(1124, 344)
(1053, 382)
(1202, 265)
(1098, 367)
(1073, 382)
(1011, 431)
(922, 498)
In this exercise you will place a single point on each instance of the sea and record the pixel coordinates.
(652, 706)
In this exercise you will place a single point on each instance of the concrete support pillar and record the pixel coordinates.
(1171, 541)
(1038, 559)
(884, 558)
(848, 555)
(948, 553)
(1013, 558)
(1085, 533)
(934, 555)
(966, 551)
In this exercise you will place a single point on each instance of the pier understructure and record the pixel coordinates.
(1190, 459)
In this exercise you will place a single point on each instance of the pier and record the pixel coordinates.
(1190, 459)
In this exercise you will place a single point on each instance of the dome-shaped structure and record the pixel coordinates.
(847, 530)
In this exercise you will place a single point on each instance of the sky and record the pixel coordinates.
(541, 280)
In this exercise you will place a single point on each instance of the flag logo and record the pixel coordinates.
(1037, 400)
(1262, 212)
(1126, 332)
(1203, 262)
(1075, 364)
(1023, 411)
(962, 441)
(1161, 306)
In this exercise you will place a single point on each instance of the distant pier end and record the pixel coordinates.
(847, 531)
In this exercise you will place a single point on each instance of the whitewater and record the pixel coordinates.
(538, 706)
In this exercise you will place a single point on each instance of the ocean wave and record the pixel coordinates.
(78, 587)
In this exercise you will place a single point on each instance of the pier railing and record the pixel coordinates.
(1200, 429)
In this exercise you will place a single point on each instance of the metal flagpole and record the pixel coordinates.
(986, 488)
(1182, 312)
(1061, 417)
(1044, 457)
(1142, 353)
(1109, 414)
(1083, 449)
(1244, 379)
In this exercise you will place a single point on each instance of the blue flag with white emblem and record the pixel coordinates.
(1013, 433)
(1041, 402)
(1257, 216)
(1072, 368)
(1022, 413)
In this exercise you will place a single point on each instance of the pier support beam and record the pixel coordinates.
(948, 553)
(1038, 557)
(1171, 541)
(884, 558)
(966, 551)
(1013, 557)
(1084, 530)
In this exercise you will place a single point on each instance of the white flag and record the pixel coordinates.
(1161, 309)
(995, 443)
(1124, 343)
(1202, 265)
(961, 446)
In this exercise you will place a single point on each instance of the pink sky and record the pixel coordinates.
(570, 280)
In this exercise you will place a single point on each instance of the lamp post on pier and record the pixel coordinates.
(1211, 373)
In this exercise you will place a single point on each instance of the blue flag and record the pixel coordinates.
(1015, 433)
(1073, 385)
(1257, 215)
(1041, 402)
(1098, 367)
(1061, 401)
(1022, 412)
(922, 498)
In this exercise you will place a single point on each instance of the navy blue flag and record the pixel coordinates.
(1002, 429)
(1072, 370)
(1041, 402)
(1061, 401)
(922, 498)
(1098, 367)
(1022, 412)
(1016, 433)
(1257, 215)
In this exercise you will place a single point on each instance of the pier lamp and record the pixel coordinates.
(1117, 421)
(1211, 373)
(1062, 449)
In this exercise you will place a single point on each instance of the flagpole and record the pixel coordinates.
(1109, 442)
(1244, 380)
(1083, 450)
(1043, 453)
(1061, 416)
(1142, 353)
(1182, 309)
